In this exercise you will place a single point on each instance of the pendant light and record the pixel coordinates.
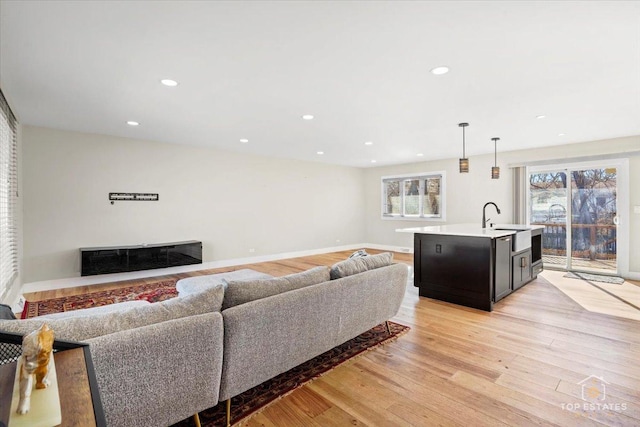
(495, 170)
(464, 162)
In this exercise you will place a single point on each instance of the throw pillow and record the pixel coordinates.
(240, 291)
(359, 253)
(357, 265)
(85, 327)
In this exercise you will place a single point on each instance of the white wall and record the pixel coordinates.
(467, 193)
(234, 202)
(229, 201)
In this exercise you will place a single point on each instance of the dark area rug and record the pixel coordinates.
(257, 398)
(152, 292)
(595, 278)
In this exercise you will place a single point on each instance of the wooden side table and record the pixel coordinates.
(79, 395)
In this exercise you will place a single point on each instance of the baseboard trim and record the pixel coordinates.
(390, 248)
(632, 276)
(48, 285)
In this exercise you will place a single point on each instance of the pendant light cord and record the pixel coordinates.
(463, 151)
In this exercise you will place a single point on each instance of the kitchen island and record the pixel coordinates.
(473, 266)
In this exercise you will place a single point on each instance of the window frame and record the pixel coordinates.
(422, 177)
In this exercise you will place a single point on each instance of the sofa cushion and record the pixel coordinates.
(84, 327)
(240, 291)
(361, 264)
(194, 284)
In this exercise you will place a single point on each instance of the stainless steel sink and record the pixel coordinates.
(522, 237)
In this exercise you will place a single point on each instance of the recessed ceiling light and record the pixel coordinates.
(561, 134)
(368, 143)
(440, 70)
(540, 116)
(169, 82)
(373, 161)
(307, 117)
(132, 123)
(320, 153)
(419, 154)
(244, 140)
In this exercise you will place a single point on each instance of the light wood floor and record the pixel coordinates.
(519, 365)
(621, 300)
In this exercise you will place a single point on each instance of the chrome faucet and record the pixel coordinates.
(484, 208)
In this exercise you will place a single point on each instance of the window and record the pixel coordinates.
(8, 195)
(414, 196)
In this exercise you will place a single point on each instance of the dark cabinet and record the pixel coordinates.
(119, 259)
(521, 265)
(474, 271)
(457, 269)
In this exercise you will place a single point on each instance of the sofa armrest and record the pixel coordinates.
(159, 374)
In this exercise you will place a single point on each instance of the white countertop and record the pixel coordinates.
(471, 230)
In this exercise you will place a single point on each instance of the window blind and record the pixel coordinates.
(8, 196)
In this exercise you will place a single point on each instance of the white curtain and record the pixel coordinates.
(519, 194)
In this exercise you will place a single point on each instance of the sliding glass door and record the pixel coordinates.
(548, 206)
(594, 219)
(578, 207)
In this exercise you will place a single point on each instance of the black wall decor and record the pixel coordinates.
(145, 197)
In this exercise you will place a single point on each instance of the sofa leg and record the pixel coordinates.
(196, 419)
(388, 327)
(228, 412)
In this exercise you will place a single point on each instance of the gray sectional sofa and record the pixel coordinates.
(159, 363)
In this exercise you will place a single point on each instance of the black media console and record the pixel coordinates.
(119, 259)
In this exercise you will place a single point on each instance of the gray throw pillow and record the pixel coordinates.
(360, 264)
(85, 327)
(240, 291)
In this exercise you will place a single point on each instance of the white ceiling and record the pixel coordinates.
(252, 69)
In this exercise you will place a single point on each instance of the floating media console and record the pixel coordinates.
(119, 259)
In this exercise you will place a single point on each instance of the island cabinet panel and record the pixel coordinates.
(503, 268)
(457, 269)
(521, 268)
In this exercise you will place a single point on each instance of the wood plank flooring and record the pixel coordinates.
(622, 300)
(521, 364)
